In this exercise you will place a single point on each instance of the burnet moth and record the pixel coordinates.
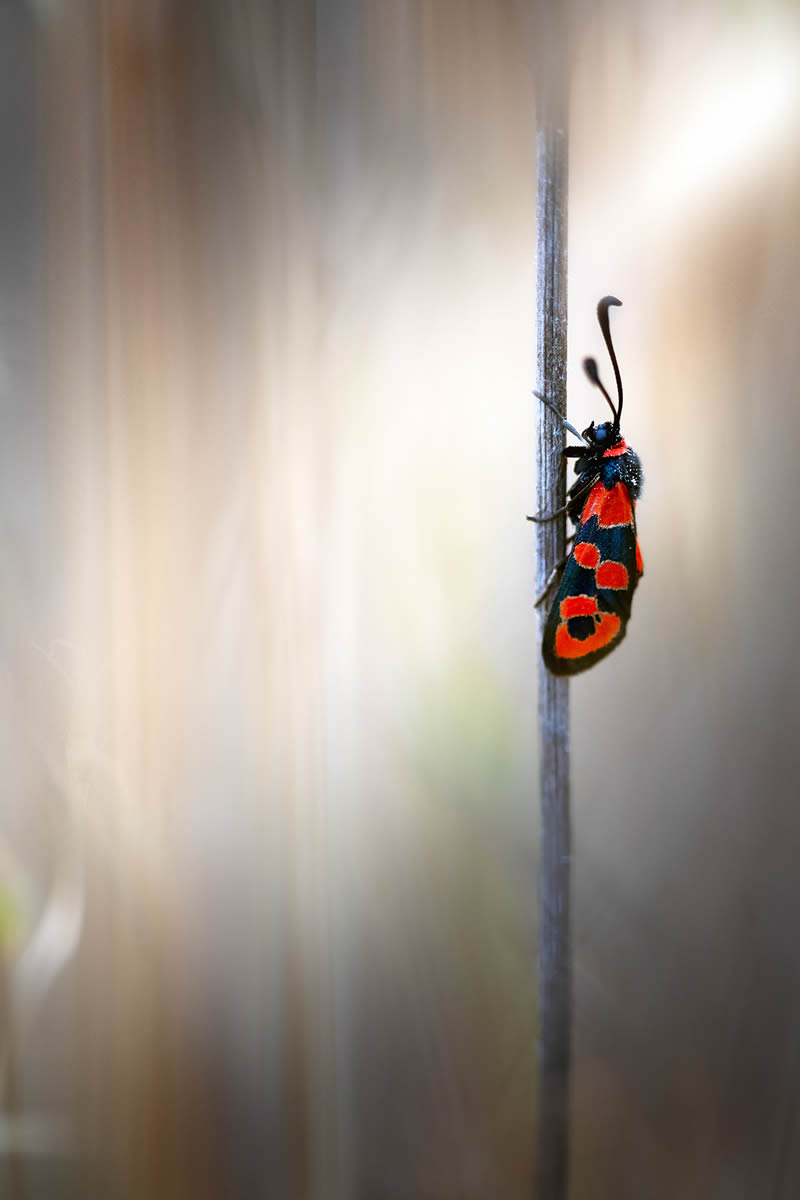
(596, 581)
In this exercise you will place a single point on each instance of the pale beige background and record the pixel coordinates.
(267, 681)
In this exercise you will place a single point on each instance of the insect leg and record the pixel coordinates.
(566, 507)
(563, 420)
(549, 516)
(556, 571)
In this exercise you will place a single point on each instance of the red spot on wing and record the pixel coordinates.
(613, 451)
(569, 647)
(578, 606)
(586, 555)
(593, 504)
(611, 575)
(615, 507)
(639, 562)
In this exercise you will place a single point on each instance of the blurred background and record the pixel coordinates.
(268, 650)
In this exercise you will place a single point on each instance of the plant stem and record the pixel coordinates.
(552, 1149)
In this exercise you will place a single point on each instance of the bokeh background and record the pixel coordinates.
(267, 646)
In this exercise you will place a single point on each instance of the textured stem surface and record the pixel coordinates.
(552, 1149)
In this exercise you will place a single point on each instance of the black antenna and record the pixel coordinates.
(602, 317)
(590, 367)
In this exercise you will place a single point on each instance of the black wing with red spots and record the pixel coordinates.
(591, 610)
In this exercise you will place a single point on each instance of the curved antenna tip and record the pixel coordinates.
(590, 367)
(606, 303)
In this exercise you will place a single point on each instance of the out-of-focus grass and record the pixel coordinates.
(266, 331)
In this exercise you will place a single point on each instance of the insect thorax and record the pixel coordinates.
(624, 468)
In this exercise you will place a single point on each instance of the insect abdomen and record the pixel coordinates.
(591, 610)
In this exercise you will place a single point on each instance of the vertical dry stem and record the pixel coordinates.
(552, 1151)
